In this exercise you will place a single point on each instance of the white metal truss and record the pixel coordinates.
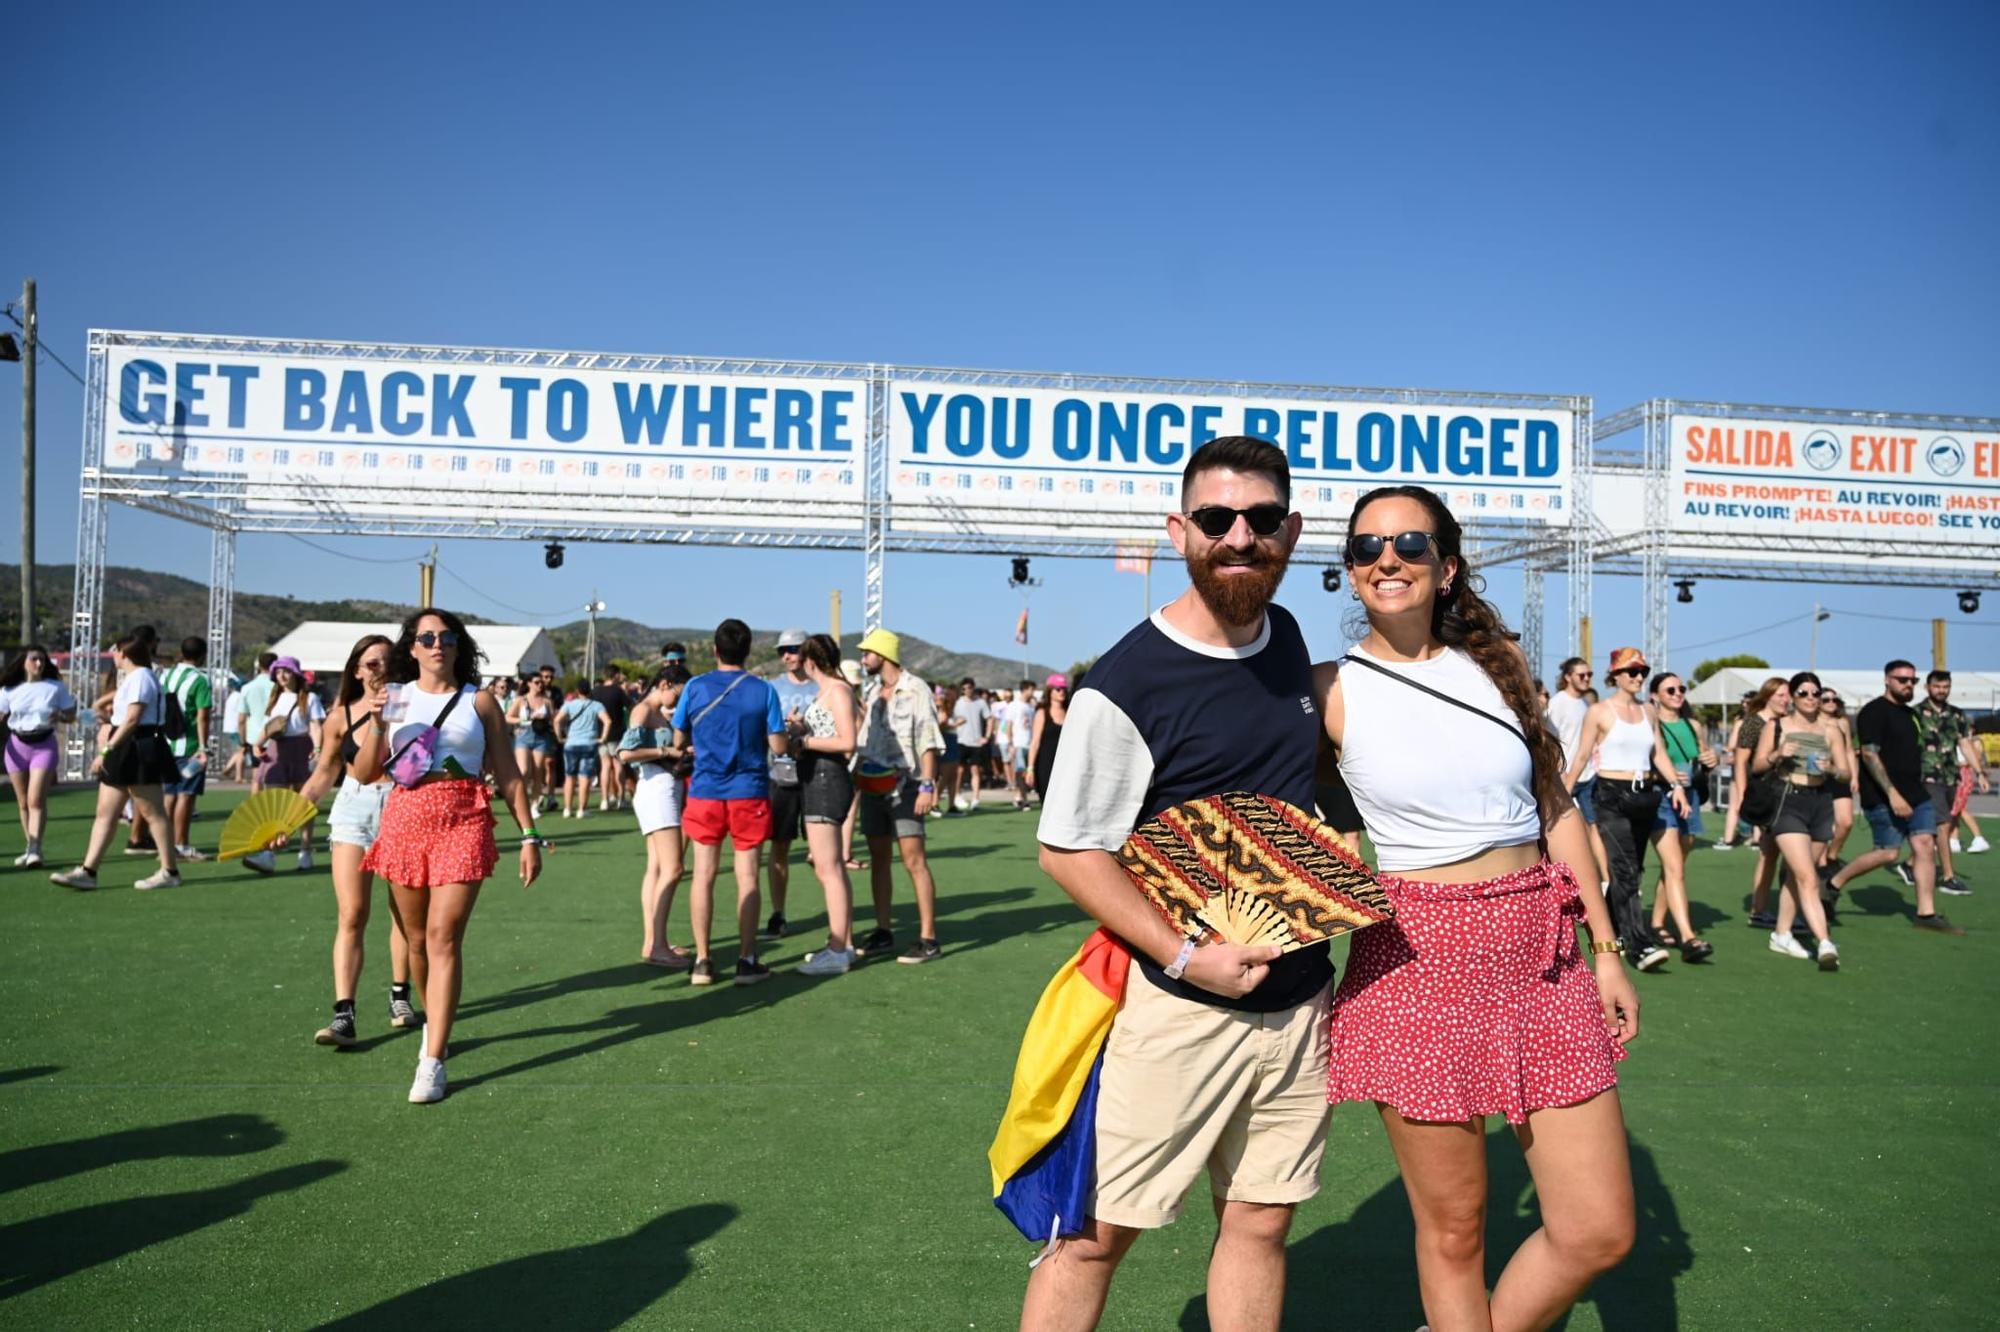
(875, 498)
(86, 629)
(1533, 614)
(221, 629)
(1582, 538)
(1653, 592)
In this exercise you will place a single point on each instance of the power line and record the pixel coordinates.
(1742, 634)
(349, 555)
(486, 596)
(42, 347)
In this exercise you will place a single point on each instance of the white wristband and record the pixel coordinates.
(1178, 967)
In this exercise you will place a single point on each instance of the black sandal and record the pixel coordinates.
(1665, 934)
(1696, 949)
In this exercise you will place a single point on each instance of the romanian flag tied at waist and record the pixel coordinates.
(1046, 1149)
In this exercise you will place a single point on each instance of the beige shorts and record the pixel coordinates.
(1186, 1085)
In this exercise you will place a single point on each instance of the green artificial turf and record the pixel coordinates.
(1810, 1150)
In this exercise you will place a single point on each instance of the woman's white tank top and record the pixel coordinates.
(1434, 783)
(1626, 747)
(463, 735)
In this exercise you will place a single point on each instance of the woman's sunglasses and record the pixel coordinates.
(1672, 689)
(1215, 520)
(445, 638)
(1639, 671)
(1364, 548)
(1805, 693)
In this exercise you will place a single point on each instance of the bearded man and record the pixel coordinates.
(1217, 1058)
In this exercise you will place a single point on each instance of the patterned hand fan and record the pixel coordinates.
(255, 823)
(1251, 869)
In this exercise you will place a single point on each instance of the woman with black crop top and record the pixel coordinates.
(1476, 999)
(356, 818)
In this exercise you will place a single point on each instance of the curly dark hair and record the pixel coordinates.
(1461, 618)
(464, 667)
(16, 671)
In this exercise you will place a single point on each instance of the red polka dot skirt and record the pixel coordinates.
(437, 833)
(1474, 1000)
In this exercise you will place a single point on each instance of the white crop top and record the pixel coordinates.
(1434, 784)
(1626, 747)
(463, 735)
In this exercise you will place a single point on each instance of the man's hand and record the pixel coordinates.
(1231, 970)
(925, 802)
(1897, 805)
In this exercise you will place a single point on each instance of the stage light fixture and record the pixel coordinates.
(552, 554)
(1020, 571)
(1686, 593)
(1329, 579)
(1968, 601)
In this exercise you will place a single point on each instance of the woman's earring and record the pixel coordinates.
(1445, 591)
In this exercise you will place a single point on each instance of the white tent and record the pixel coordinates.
(1975, 691)
(510, 649)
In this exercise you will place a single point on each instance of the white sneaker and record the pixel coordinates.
(1978, 844)
(191, 853)
(828, 962)
(163, 879)
(79, 878)
(605, 805)
(264, 862)
(305, 860)
(1829, 956)
(1955, 845)
(428, 1087)
(1790, 947)
(29, 859)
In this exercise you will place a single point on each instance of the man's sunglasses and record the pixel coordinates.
(1216, 520)
(443, 638)
(1904, 679)
(1364, 548)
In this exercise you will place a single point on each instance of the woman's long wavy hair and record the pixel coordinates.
(17, 666)
(464, 667)
(1463, 619)
(350, 674)
(1762, 698)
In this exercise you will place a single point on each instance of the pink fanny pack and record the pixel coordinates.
(410, 764)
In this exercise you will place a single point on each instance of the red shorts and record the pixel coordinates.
(748, 822)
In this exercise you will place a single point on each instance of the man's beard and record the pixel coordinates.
(1238, 599)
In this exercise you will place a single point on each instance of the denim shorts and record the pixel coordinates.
(1667, 818)
(580, 761)
(357, 813)
(1891, 831)
(1586, 803)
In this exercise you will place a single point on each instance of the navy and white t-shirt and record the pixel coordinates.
(1163, 719)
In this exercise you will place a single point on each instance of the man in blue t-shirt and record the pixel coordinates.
(733, 721)
(1217, 1058)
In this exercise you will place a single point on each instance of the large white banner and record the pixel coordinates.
(445, 425)
(1109, 455)
(1913, 488)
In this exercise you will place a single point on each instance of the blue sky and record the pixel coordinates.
(1791, 204)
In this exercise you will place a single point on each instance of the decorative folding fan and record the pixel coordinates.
(1251, 869)
(258, 821)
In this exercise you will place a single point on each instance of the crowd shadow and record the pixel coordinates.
(580, 1289)
(1361, 1273)
(49, 1248)
(217, 1135)
(1879, 899)
(28, 1073)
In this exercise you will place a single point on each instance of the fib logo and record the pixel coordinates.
(1822, 450)
(1945, 456)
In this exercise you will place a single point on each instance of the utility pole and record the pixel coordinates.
(593, 608)
(836, 618)
(427, 572)
(1937, 646)
(1583, 638)
(29, 328)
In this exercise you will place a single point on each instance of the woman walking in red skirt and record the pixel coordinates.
(437, 733)
(1475, 1000)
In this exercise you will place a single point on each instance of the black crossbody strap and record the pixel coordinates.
(437, 725)
(1508, 726)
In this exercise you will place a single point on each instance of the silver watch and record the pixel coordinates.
(1178, 967)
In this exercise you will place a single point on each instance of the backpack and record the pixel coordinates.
(173, 718)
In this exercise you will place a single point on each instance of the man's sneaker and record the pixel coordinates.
(79, 878)
(1763, 920)
(1789, 946)
(163, 879)
(702, 972)
(193, 854)
(1955, 847)
(1720, 845)
(1937, 924)
(428, 1087)
(828, 962)
(1829, 956)
(775, 927)
(1979, 844)
(339, 1032)
(402, 1014)
(874, 943)
(29, 859)
(749, 971)
(920, 952)
(264, 862)
(1901, 869)
(305, 858)
(1833, 866)
(134, 850)
(1955, 886)
(1651, 956)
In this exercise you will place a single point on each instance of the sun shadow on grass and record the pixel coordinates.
(1879, 899)
(580, 1289)
(29, 1073)
(50, 1248)
(217, 1135)
(1366, 1269)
